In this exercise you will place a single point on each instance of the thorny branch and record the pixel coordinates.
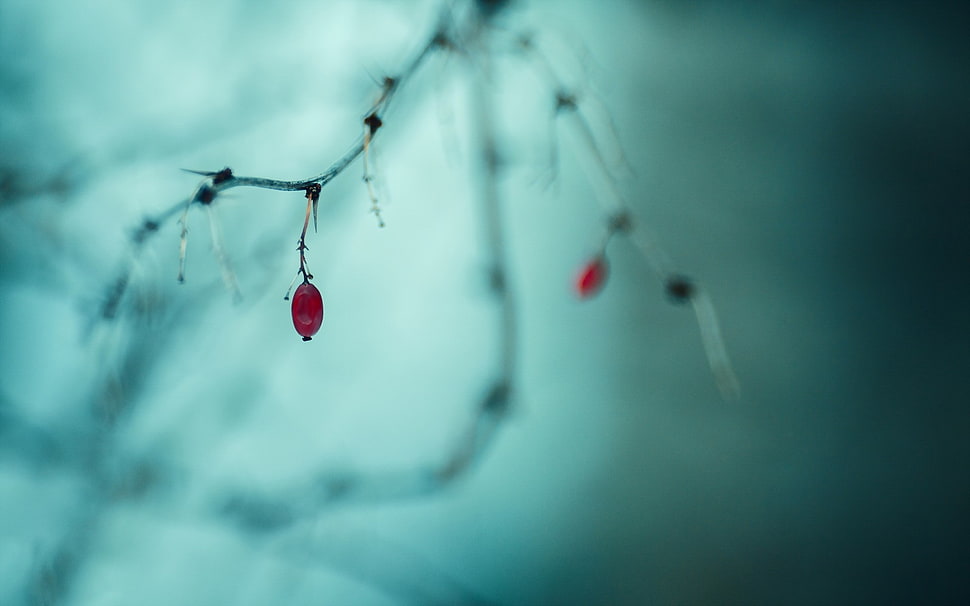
(223, 180)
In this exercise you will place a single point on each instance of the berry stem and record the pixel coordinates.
(312, 197)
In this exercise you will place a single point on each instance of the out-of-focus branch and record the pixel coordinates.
(260, 513)
(401, 574)
(619, 221)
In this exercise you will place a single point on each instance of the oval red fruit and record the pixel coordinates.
(307, 310)
(591, 278)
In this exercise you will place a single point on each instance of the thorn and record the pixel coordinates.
(219, 176)
(313, 195)
(204, 173)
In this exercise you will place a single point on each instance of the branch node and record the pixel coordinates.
(565, 101)
(205, 195)
(679, 288)
(621, 222)
(373, 122)
(148, 227)
(442, 41)
(222, 176)
(497, 400)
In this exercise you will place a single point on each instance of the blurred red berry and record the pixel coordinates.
(591, 278)
(307, 310)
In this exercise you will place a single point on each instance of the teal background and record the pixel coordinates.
(806, 162)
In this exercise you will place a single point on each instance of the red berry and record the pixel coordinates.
(307, 310)
(591, 278)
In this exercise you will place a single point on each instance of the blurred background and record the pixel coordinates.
(806, 162)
